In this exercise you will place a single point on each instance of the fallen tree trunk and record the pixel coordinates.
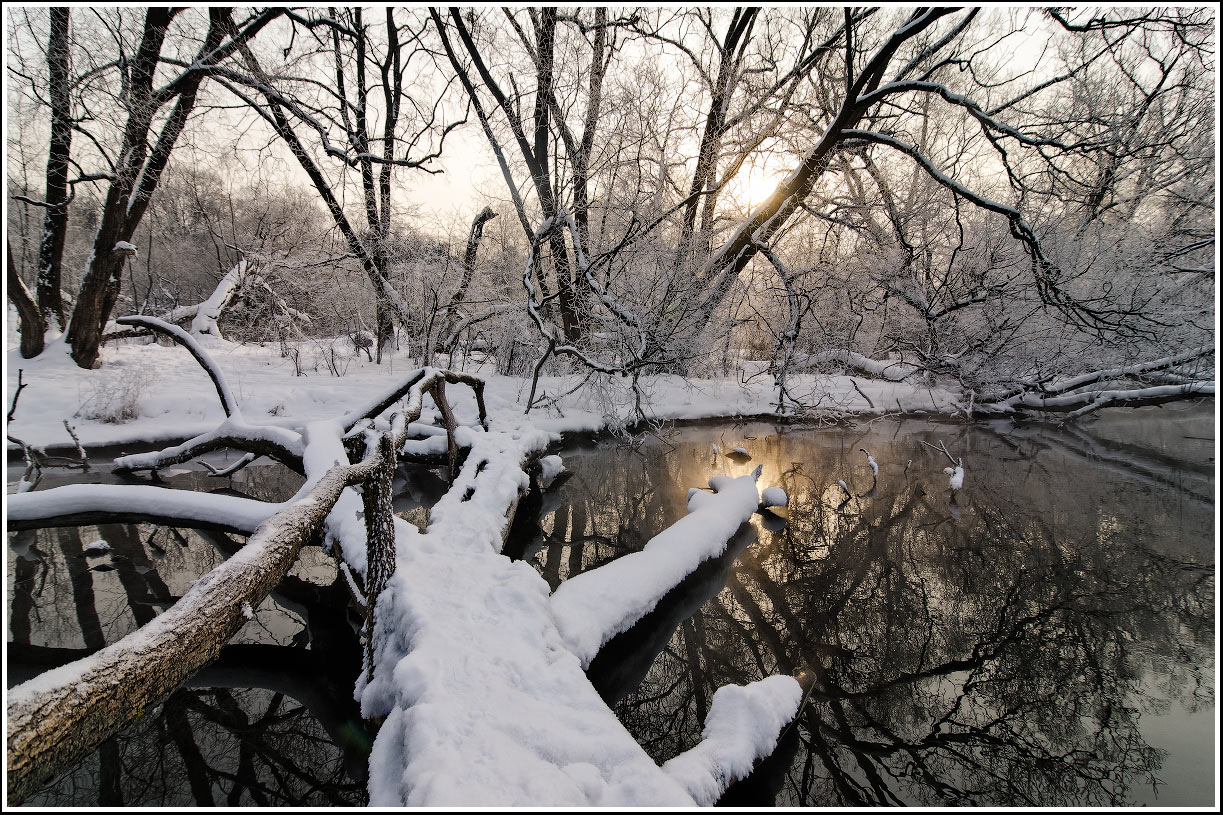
(57, 718)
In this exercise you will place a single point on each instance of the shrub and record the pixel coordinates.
(114, 399)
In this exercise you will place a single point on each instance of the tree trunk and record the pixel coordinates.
(140, 166)
(97, 297)
(58, 718)
(55, 221)
(33, 325)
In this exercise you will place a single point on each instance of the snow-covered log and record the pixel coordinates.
(485, 704)
(58, 717)
(593, 607)
(77, 504)
(742, 726)
(891, 370)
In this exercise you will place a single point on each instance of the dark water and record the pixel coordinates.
(270, 723)
(1044, 639)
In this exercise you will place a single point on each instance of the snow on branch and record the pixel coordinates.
(1127, 385)
(1078, 404)
(890, 370)
(742, 727)
(74, 504)
(110, 688)
(209, 311)
(594, 606)
(279, 443)
(1072, 383)
(228, 403)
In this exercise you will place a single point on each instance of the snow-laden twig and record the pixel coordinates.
(221, 472)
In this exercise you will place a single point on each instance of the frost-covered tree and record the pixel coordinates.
(980, 175)
(136, 103)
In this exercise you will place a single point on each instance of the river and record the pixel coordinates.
(1042, 637)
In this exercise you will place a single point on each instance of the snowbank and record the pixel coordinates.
(173, 399)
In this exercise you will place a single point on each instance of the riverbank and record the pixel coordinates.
(155, 394)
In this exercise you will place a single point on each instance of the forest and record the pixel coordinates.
(440, 238)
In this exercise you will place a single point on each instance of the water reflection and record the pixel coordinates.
(1007, 647)
(271, 722)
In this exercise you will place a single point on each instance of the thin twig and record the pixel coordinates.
(16, 393)
(80, 451)
(231, 469)
(941, 447)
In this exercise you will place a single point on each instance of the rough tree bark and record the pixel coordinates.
(33, 324)
(469, 267)
(55, 219)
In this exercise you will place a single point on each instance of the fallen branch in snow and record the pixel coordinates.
(20, 386)
(892, 371)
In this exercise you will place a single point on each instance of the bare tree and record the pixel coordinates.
(853, 101)
(339, 115)
(133, 170)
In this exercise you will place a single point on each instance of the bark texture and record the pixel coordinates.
(56, 719)
(33, 325)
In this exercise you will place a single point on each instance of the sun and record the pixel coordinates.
(754, 183)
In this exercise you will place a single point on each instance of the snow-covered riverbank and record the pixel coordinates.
(157, 393)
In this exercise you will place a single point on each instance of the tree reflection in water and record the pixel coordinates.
(271, 722)
(1000, 649)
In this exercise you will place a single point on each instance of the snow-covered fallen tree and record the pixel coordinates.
(1130, 385)
(593, 607)
(475, 671)
(58, 717)
(486, 701)
(242, 280)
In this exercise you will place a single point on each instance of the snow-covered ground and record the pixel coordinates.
(157, 393)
